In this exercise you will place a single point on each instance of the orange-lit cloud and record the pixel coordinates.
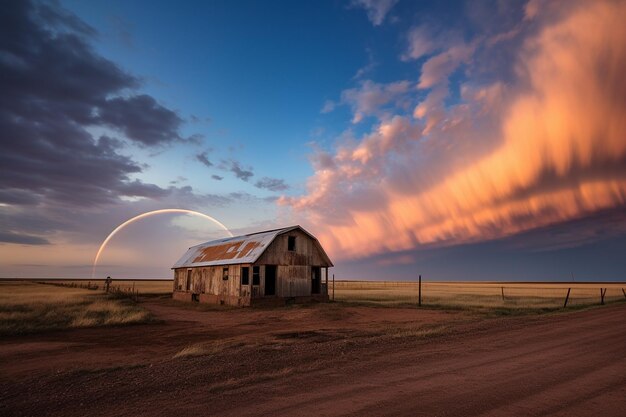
(546, 147)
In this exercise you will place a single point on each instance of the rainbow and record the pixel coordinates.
(148, 214)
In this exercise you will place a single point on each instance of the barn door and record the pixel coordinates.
(188, 283)
(316, 279)
(270, 280)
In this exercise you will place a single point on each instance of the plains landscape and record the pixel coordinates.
(312, 208)
(359, 355)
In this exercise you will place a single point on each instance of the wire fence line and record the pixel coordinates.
(121, 290)
(480, 294)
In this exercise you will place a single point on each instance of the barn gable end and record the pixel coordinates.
(307, 251)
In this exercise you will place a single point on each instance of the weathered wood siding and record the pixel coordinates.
(293, 281)
(209, 280)
(178, 279)
(306, 252)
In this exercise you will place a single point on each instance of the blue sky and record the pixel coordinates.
(233, 64)
(455, 138)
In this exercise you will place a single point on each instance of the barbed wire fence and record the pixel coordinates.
(479, 294)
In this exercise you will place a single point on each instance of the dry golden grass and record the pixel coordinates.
(27, 307)
(146, 286)
(476, 294)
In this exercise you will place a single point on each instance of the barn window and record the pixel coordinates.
(256, 275)
(225, 273)
(245, 279)
(291, 243)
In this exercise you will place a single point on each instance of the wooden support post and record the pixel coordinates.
(602, 294)
(333, 287)
(567, 297)
(502, 288)
(624, 292)
(419, 291)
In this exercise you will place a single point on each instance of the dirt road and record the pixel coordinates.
(323, 360)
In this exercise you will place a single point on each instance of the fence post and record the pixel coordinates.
(502, 293)
(602, 294)
(567, 297)
(333, 287)
(419, 291)
(624, 292)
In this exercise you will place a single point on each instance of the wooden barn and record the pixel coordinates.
(270, 267)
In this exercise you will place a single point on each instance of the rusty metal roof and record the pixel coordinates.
(245, 249)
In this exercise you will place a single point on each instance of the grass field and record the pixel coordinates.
(27, 307)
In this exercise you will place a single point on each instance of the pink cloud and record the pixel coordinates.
(369, 98)
(541, 149)
(438, 68)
